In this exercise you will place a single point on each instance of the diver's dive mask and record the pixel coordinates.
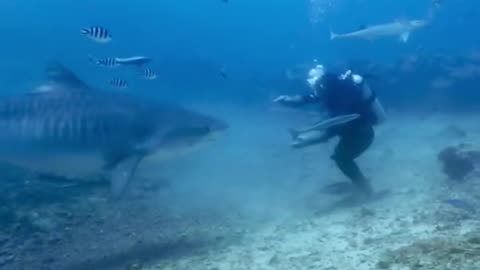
(314, 75)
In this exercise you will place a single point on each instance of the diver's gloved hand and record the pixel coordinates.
(288, 99)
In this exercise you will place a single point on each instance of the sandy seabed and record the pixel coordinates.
(250, 201)
(411, 228)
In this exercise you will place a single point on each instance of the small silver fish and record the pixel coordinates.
(97, 33)
(119, 83)
(134, 60)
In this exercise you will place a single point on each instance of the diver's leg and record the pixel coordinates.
(353, 142)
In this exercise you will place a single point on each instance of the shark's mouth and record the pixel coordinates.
(213, 137)
(182, 148)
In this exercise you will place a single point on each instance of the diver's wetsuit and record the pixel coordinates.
(342, 97)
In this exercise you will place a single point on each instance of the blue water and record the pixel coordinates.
(255, 43)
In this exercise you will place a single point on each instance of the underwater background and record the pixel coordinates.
(249, 201)
(255, 42)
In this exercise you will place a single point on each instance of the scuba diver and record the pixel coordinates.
(353, 110)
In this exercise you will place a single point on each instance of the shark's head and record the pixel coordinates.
(182, 132)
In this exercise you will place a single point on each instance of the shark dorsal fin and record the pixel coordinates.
(362, 27)
(59, 74)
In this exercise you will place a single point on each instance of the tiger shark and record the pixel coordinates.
(399, 28)
(66, 128)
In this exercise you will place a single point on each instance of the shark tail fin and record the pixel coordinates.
(92, 59)
(293, 133)
(333, 36)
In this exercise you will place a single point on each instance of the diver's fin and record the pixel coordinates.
(122, 174)
(355, 200)
(404, 37)
(59, 74)
(338, 188)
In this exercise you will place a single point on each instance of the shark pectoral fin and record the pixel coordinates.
(121, 175)
(404, 37)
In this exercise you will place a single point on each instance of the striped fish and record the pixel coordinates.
(109, 62)
(149, 74)
(97, 34)
(119, 83)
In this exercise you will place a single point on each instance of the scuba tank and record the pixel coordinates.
(368, 94)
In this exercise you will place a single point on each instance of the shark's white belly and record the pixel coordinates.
(379, 31)
(70, 165)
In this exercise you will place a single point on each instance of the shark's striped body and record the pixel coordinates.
(72, 130)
